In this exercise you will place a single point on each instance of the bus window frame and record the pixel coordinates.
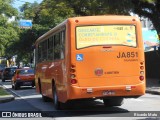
(106, 44)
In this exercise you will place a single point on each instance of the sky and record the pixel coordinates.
(18, 3)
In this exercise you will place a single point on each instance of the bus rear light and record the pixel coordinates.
(76, 21)
(133, 86)
(142, 67)
(141, 63)
(73, 76)
(141, 78)
(73, 81)
(142, 72)
(72, 70)
(73, 66)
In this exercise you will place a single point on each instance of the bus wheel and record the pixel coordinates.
(109, 102)
(55, 99)
(45, 98)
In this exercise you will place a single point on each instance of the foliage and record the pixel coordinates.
(7, 9)
(8, 30)
(100, 7)
(29, 10)
(149, 9)
(51, 12)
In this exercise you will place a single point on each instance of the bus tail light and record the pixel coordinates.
(142, 67)
(141, 77)
(141, 63)
(73, 81)
(142, 72)
(73, 74)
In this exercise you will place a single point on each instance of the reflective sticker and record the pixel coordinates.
(79, 57)
(128, 88)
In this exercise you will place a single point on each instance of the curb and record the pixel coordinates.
(6, 98)
(153, 92)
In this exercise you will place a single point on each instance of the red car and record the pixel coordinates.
(23, 77)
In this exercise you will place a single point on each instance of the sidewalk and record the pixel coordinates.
(152, 87)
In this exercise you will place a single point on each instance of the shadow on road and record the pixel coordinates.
(88, 108)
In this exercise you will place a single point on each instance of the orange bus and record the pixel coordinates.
(99, 57)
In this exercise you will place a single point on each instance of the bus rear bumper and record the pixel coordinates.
(126, 91)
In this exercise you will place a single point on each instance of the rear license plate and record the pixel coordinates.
(108, 92)
(27, 83)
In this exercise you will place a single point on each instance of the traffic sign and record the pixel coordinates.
(25, 24)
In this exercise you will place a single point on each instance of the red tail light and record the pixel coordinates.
(17, 77)
(73, 81)
(141, 78)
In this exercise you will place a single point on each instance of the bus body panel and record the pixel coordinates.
(111, 64)
(105, 70)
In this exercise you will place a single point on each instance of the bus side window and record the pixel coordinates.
(39, 59)
(50, 48)
(62, 44)
(57, 46)
(44, 50)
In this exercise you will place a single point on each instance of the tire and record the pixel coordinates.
(16, 86)
(45, 99)
(55, 99)
(39, 85)
(110, 102)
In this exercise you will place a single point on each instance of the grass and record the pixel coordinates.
(3, 92)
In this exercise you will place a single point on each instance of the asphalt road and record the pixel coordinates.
(26, 99)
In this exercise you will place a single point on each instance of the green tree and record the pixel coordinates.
(100, 7)
(51, 12)
(8, 30)
(29, 10)
(149, 9)
(44, 17)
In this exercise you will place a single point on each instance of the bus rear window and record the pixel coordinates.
(87, 36)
